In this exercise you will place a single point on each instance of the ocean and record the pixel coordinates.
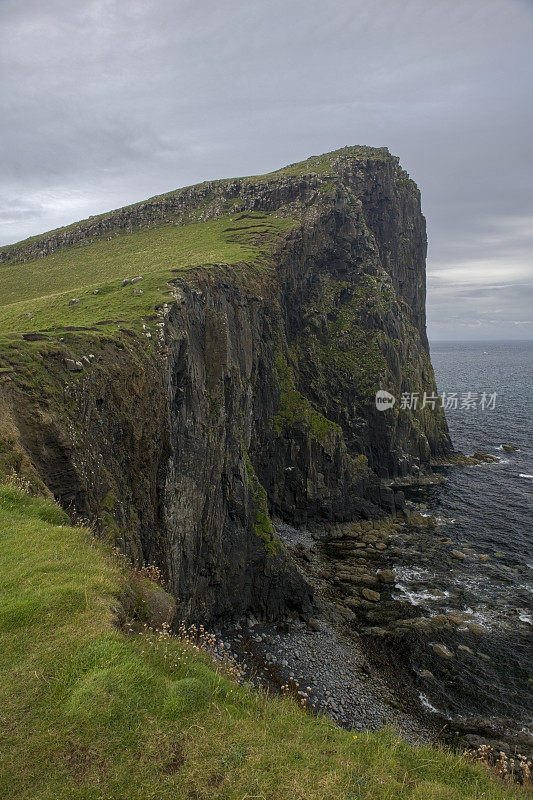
(484, 512)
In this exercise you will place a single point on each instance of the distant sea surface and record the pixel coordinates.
(484, 510)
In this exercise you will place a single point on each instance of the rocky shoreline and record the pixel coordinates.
(325, 669)
(335, 661)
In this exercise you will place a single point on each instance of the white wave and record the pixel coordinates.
(497, 618)
(412, 573)
(526, 618)
(418, 598)
(524, 475)
(427, 705)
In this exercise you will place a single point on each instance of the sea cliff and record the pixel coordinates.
(240, 386)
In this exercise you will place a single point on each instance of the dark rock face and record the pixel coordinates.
(257, 394)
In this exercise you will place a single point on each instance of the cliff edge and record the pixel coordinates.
(181, 370)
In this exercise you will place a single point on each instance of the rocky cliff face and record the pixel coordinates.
(256, 395)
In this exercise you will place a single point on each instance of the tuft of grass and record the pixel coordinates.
(89, 712)
(295, 409)
(262, 524)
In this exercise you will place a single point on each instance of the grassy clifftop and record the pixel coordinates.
(35, 295)
(88, 711)
(195, 226)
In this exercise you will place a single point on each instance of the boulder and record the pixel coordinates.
(457, 554)
(368, 594)
(386, 575)
(74, 301)
(484, 457)
(475, 627)
(442, 651)
(138, 279)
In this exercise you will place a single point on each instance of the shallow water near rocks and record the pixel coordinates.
(484, 513)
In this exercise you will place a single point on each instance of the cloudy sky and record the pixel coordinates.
(106, 102)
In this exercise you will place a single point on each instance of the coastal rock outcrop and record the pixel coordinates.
(250, 392)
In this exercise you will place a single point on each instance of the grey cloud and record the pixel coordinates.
(105, 102)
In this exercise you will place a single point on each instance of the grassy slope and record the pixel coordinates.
(87, 712)
(34, 295)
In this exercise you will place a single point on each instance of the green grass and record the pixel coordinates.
(262, 525)
(295, 409)
(90, 713)
(324, 164)
(34, 296)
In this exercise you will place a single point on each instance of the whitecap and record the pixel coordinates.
(420, 597)
(427, 705)
(524, 475)
(412, 573)
(526, 618)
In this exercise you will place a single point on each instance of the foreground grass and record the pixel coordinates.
(88, 712)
